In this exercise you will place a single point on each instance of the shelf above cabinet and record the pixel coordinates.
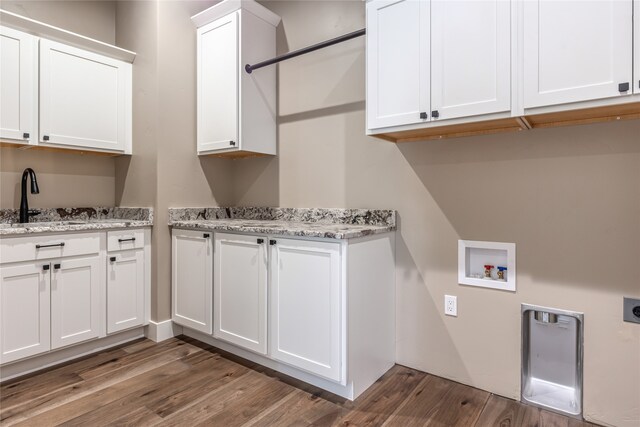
(40, 29)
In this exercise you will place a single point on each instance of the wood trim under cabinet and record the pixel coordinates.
(237, 154)
(511, 124)
(628, 111)
(607, 113)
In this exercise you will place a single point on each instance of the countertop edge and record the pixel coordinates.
(98, 226)
(294, 232)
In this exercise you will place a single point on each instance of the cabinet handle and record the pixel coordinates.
(25, 135)
(45, 137)
(50, 246)
(205, 235)
(112, 259)
(56, 266)
(260, 241)
(424, 116)
(132, 239)
(272, 242)
(232, 143)
(46, 267)
(623, 87)
(435, 114)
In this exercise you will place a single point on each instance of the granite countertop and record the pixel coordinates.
(321, 223)
(65, 220)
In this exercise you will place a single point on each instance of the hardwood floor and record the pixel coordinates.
(181, 382)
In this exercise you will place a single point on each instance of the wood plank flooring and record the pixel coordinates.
(181, 382)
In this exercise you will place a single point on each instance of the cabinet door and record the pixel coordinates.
(83, 98)
(217, 74)
(306, 306)
(192, 279)
(17, 85)
(576, 51)
(76, 299)
(470, 57)
(24, 319)
(125, 290)
(398, 81)
(239, 291)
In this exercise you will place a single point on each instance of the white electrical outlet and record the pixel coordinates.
(451, 305)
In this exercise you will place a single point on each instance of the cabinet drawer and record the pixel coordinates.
(125, 239)
(18, 249)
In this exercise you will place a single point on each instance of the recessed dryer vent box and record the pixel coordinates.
(552, 352)
(474, 255)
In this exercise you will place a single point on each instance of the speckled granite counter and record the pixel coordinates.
(64, 220)
(322, 223)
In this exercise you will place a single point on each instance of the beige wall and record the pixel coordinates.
(165, 170)
(94, 18)
(568, 197)
(65, 179)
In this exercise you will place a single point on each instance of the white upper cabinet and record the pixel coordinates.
(236, 109)
(576, 51)
(192, 280)
(240, 291)
(63, 90)
(18, 84)
(84, 98)
(398, 81)
(470, 58)
(307, 306)
(218, 71)
(436, 60)
(636, 43)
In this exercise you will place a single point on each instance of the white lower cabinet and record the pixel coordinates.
(60, 290)
(24, 319)
(320, 310)
(192, 280)
(240, 291)
(76, 300)
(125, 290)
(307, 306)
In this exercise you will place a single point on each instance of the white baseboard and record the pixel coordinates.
(160, 331)
(55, 357)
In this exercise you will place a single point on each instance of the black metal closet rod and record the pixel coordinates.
(249, 68)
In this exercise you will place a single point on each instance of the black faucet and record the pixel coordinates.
(24, 206)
